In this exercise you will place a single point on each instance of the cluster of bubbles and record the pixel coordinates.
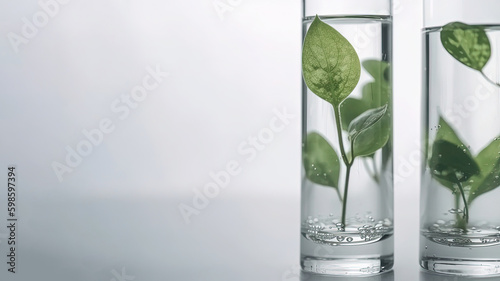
(447, 233)
(329, 230)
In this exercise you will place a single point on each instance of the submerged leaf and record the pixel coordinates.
(375, 93)
(447, 133)
(330, 65)
(321, 162)
(365, 121)
(350, 109)
(469, 44)
(451, 163)
(489, 162)
(370, 131)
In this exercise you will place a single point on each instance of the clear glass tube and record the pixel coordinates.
(460, 221)
(347, 181)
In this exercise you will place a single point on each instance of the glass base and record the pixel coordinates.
(462, 267)
(343, 267)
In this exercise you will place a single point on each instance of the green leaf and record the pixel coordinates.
(352, 108)
(489, 163)
(379, 70)
(330, 65)
(365, 121)
(469, 44)
(447, 133)
(321, 162)
(375, 93)
(370, 131)
(451, 163)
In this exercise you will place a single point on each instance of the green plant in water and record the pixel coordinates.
(374, 94)
(331, 70)
(468, 44)
(467, 176)
(451, 162)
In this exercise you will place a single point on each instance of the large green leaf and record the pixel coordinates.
(489, 162)
(368, 133)
(469, 44)
(330, 65)
(451, 163)
(321, 162)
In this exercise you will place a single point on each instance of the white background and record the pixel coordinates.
(228, 71)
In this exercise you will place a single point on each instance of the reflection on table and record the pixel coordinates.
(307, 276)
(430, 276)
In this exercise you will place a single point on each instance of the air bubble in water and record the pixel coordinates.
(340, 226)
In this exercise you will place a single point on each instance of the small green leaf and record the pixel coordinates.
(330, 65)
(321, 162)
(451, 163)
(469, 44)
(370, 131)
(365, 121)
(489, 179)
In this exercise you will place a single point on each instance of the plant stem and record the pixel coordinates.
(457, 206)
(489, 80)
(458, 217)
(346, 188)
(346, 162)
(339, 135)
(466, 208)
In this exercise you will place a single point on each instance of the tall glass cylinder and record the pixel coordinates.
(347, 181)
(460, 211)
